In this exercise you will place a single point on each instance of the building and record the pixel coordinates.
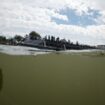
(101, 46)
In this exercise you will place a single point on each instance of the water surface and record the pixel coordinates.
(53, 79)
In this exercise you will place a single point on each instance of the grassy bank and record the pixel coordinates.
(52, 79)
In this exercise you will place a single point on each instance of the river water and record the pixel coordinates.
(21, 50)
(50, 79)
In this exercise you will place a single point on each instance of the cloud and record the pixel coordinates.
(23, 16)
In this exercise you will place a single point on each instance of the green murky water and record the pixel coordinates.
(52, 80)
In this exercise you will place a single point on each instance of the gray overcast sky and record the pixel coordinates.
(82, 20)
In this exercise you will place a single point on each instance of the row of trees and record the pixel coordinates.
(51, 41)
(57, 42)
(18, 38)
(13, 40)
(63, 43)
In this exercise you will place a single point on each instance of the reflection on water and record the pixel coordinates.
(1, 79)
(22, 50)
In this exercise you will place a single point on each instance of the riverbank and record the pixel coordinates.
(52, 79)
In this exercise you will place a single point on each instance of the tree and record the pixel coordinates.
(52, 38)
(18, 38)
(3, 39)
(69, 42)
(57, 39)
(11, 41)
(77, 43)
(34, 35)
(49, 38)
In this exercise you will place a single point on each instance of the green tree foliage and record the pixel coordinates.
(2, 39)
(77, 43)
(18, 38)
(57, 39)
(34, 35)
(52, 38)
